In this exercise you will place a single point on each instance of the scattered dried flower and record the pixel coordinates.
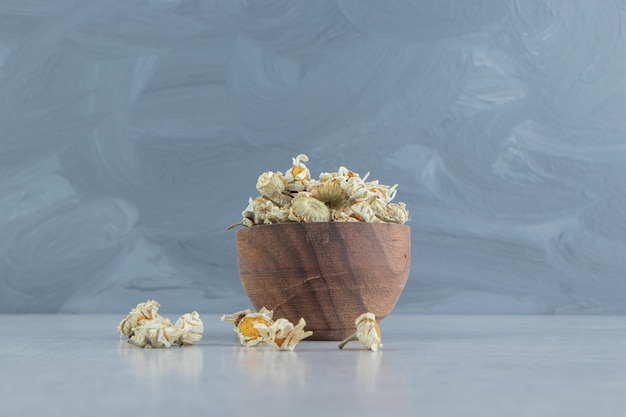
(282, 334)
(243, 323)
(145, 328)
(143, 311)
(155, 333)
(367, 333)
(253, 328)
(191, 327)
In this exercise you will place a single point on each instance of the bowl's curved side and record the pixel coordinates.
(327, 273)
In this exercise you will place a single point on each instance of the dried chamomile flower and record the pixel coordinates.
(390, 213)
(367, 333)
(396, 213)
(282, 334)
(145, 328)
(191, 327)
(308, 209)
(143, 311)
(261, 208)
(272, 185)
(262, 211)
(243, 324)
(277, 215)
(155, 333)
(355, 187)
(267, 212)
(343, 215)
(330, 192)
(297, 177)
(363, 212)
(383, 193)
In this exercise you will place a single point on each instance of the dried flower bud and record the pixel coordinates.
(147, 329)
(143, 311)
(299, 171)
(154, 333)
(297, 177)
(270, 183)
(277, 215)
(243, 324)
(191, 328)
(384, 193)
(282, 334)
(308, 209)
(397, 213)
(367, 333)
(362, 212)
(330, 192)
(355, 188)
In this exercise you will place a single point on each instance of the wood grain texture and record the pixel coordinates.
(327, 273)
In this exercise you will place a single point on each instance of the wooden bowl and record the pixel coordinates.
(328, 273)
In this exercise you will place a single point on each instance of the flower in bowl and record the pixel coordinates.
(342, 196)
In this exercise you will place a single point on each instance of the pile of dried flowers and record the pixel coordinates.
(341, 196)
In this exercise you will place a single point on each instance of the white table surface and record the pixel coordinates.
(75, 365)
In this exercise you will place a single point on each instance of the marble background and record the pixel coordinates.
(132, 133)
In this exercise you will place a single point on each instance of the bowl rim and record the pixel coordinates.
(304, 225)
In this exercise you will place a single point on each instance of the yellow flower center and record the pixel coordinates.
(280, 341)
(246, 326)
(296, 170)
(144, 316)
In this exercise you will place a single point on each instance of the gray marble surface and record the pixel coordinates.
(75, 365)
